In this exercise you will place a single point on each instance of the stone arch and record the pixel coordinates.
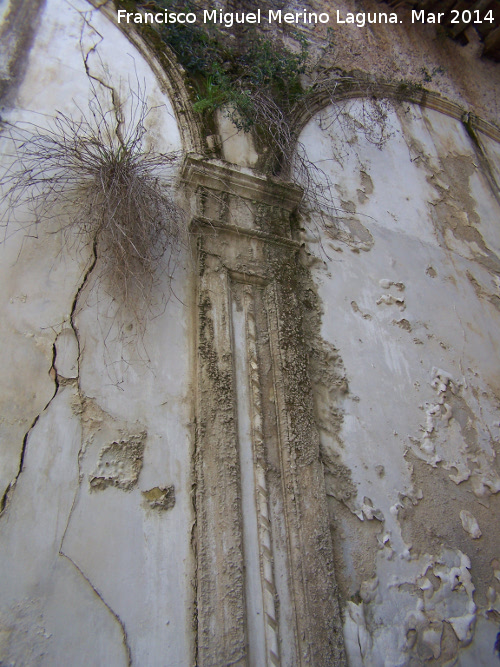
(170, 76)
(19, 29)
(58, 355)
(350, 88)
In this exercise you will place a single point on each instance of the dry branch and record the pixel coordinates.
(93, 176)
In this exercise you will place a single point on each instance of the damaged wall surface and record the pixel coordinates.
(95, 457)
(408, 278)
(286, 451)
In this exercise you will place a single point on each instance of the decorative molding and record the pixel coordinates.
(249, 309)
(261, 489)
(207, 225)
(335, 91)
(221, 613)
(218, 175)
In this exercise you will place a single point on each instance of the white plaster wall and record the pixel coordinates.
(408, 279)
(89, 576)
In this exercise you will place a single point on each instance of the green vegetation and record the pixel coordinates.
(255, 79)
(238, 80)
(230, 76)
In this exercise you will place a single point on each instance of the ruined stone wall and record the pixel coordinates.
(407, 54)
(290, 457)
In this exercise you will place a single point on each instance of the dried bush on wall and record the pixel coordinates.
(346, 121)
(93, 175)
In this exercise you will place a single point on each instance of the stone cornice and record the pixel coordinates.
(208, 224)
(222, 176)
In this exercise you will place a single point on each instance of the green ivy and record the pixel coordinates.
(225, 76)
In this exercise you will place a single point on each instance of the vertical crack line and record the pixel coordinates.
(85, 57)
(74, 308)
(7, 496)
(9, 491)
(261, 493)
(113, 613)
(74, 305)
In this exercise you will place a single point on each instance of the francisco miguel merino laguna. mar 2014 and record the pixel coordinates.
(360, 19)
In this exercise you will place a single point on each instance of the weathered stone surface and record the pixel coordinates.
(411, 449)
(89, 574)
(307, 414)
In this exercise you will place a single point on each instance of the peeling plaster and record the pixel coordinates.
(424, 606)
(119, 463)
(160, 498)
(411, 456)
(409, 429)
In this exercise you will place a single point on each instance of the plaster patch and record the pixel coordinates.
(450, 436)
(366, 182)
(160, 498)
(120, 463)
(386, 284)
(349, 231)
(483, 292)
(357, 309)
(403, 323)
(470, 524)
(436, 412)
(454, 210)
(431, 272)
(420, 598)
(389, 300)
(368, 511)
(358, 641)
(493, 598)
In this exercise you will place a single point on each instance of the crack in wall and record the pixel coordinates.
(59, 381)
(75, 491)
(9, 492)
(74, 308)
(113, 613)
(85, 57)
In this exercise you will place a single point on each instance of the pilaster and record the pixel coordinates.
(266, 592)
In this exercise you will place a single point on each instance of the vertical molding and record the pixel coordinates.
(319, 625)
(255, 402)
(261, 490)
(220, 577)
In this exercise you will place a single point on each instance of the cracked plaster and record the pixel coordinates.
(89, 577)
(411, 460)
